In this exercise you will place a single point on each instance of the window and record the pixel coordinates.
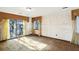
(36, 23)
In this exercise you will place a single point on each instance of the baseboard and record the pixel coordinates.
(55, 38)
(3, 40)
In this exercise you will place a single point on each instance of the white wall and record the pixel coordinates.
(59, 24)
(29, 27)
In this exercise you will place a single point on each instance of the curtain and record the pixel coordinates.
(3, 29)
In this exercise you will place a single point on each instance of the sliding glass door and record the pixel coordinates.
(16, 28)
(19, 28)
(12, 24)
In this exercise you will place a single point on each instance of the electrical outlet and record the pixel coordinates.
(56, 35)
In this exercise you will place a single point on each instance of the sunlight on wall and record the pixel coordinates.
(31, 44)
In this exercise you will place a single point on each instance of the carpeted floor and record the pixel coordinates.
(36, 43)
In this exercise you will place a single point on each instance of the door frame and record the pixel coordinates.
(40, 30)
(15, 28)
(74, 14)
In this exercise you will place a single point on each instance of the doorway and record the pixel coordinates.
(12, 24)
(36, 25)
(16, 28)
(77, 29)
(19, 28)
(75, 19)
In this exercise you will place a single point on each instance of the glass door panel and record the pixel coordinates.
(12, 24)
(19, 28)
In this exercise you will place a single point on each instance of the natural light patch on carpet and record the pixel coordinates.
(31, 44)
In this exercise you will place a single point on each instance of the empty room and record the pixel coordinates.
(39, 29)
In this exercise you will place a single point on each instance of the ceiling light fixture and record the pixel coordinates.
(64, 7)
(28, 9)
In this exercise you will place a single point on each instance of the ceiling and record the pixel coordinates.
(36, 11)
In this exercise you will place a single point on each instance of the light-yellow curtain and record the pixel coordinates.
(4, 28)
